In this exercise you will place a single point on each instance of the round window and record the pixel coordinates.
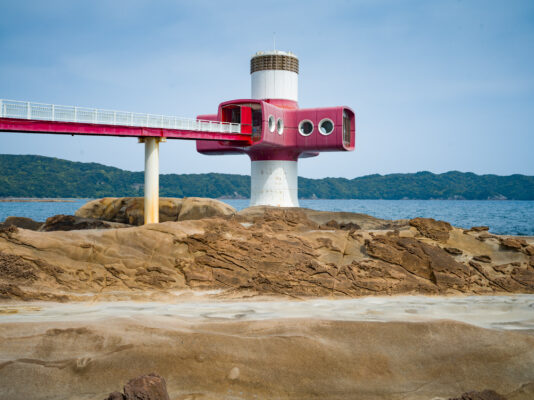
(305, 127)
(271, 123)
(280, 126)
(326, 126)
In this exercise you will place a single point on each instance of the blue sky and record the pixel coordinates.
(436, 85)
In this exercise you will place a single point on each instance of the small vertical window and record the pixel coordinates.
(271, 123)
(280, 126)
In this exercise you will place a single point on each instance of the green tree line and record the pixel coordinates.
(37, 176)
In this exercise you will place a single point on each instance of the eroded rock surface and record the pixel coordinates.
(22, 222)
(269, 359)
(130, 210)
(71, 223)
(291, 252)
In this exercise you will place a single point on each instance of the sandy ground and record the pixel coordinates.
(368, 348)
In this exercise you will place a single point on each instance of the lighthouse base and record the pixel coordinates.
(274, 183)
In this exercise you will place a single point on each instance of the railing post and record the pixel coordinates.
(2, 108)
(53, 112)
(75, 114)
(114, 117)
(28, 111)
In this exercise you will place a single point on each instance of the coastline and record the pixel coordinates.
(35, 200)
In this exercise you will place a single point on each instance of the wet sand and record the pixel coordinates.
(407, 347)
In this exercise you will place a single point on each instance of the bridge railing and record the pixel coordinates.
(51, 112)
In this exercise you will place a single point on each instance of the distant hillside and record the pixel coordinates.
(37, 176)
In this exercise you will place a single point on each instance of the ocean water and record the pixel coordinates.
(507, 217)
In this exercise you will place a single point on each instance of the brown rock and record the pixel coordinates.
(146, 387)
(308, 217)
(484, 395)
(513, 243)
(115, 396)
(23, 222)
(453, 250)
(479, 228)
(281, 251)
(482, 258)
(430, 228)
(14, 267)
(529, 250)
(71, 222)
(198, 208)
(485, 235)
(130, 210)
(421, 259)
(332, 224)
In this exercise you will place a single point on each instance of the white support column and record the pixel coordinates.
(151, 179)
(274, 183)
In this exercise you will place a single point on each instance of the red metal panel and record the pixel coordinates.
(73, 128)
(246, 120)
(334, 141)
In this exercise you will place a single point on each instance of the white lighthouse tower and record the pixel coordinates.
(274, 176)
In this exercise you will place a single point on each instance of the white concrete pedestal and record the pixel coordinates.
(274, 183)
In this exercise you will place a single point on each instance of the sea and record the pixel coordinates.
(504, 217)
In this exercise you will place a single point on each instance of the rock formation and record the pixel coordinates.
(144, 387)
(22, 222)
(130, 210)
(262, 250)
(73, 223)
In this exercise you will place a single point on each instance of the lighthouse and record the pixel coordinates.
(281, 131)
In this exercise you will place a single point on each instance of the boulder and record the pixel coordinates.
(23, 222)
(130, 210)
(144, 387)
(198, 208)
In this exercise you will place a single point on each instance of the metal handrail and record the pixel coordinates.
(52, 112)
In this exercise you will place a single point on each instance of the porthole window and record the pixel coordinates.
(326, 126)
(271, 123)
(305, 127)
(280, 126)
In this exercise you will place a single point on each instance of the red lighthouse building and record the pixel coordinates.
(281, 131)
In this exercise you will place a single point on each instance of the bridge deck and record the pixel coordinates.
(19, 116)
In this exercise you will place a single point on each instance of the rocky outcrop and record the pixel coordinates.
(279, 251)
(70, 223)
(144, 387)
(432, 229)
(22, 222)
(130, 210)
(316, 219)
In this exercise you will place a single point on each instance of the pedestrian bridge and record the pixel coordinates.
(151, 129)
(25, 116)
